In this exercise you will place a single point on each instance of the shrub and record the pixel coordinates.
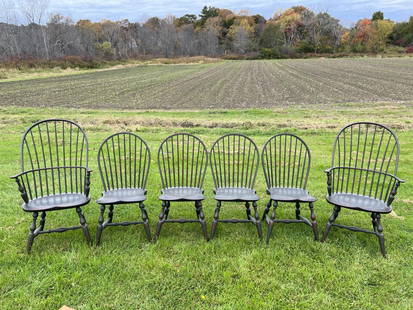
(305, 47)
(409, 49)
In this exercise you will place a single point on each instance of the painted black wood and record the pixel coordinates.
(363, 174)
(286, 161)
(234, 164)
(124, 159)
(54, 173)
(182, 161)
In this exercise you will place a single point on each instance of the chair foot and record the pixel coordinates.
(145, 219)
(313, 221)
(215, 220)
(100, 225)
(84, 225)
(32, 234)
(331, 220)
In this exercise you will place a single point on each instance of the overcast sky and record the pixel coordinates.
(348, 11)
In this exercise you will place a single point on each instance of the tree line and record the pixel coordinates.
(214, 32)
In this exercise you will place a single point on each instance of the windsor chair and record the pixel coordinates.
(234, 164)
(286, 161)
(363, 173)
(123, 160)
(55, 174)
(182, 161)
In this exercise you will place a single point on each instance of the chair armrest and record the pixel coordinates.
(328, 172)
(21, 187)
(393, 192)
(87, 182)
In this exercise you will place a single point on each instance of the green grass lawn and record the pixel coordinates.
(235, 270)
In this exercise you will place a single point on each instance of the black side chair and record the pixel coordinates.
(234, 164)
(55, 174)
(286, 163)
(124, 160)
(182, 161)
(363, 173)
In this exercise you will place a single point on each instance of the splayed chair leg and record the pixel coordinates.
(313, 221)
(83, 223)
(32, 234)
(201, 218)
(42, 221)
(100, 224)
(257, 220)
(162, 218)
(270, 221)
(378, 229)
(331, 220)
(266, 211)
(145, 220)
(215, 220)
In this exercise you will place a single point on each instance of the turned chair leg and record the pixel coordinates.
(331, 220)
(32, 234)
(100, 224)
(110, 214)
(201, 218)
(378, 229)
(145, 220)
(313, 221)
(267, 209)
(257, 219)
(270, 221)
(248, 210)
(297, 210)
(215, 220)
(84, 225)
(162, 215)
(42, 220)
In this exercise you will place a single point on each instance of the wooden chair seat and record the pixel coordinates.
(56, 202)
(359, 202)
(182, 194)
(290, 194)
(122, 195)
(235, 194)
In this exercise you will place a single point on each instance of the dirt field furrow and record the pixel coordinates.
(223, 85)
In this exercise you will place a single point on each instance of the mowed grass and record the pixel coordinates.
(233, 271)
